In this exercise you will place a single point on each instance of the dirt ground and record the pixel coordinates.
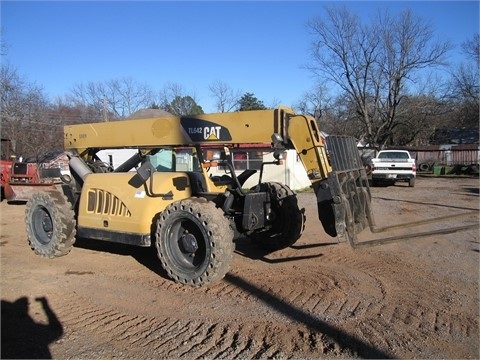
(417, 298)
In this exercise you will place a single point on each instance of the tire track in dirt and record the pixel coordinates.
(411, 319)
(147, 336)
(330, 292)
(327, 292)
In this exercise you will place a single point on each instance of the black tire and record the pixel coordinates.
(288, 220)
(411, 182)
(424, 167)
(194, 242)
(50, 223)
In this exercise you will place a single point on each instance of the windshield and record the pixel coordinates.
(393, 155)
(175, 159)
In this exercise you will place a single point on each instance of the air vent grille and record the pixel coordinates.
(102, 202)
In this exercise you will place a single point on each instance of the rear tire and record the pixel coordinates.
(411, 182)
(288, 219)
(50, 224)
(194, 242)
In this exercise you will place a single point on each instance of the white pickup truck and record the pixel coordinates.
(393, 165)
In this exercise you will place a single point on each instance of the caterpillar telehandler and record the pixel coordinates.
(190, 215)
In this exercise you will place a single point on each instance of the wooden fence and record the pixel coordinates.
(448, 155)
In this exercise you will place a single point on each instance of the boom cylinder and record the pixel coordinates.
(79, 168)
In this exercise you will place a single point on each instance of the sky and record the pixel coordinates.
(253, 46)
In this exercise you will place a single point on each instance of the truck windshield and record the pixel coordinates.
(393, 155)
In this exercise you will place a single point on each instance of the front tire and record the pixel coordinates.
(50, 223)
(288, 220)
(194, 242)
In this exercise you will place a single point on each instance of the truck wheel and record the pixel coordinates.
(194, 242)
(50, 223)
(411, 182)
(288, 221)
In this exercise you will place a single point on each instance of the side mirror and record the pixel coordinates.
(144, 173)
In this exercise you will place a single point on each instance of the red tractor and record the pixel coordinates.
(20, 179)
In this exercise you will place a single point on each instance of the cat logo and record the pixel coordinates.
(212, 133)
(202, 130)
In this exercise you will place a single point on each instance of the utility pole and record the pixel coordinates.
(105, 114)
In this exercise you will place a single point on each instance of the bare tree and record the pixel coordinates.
(471, 48)
(117, 98)
(342, 118)
(67, 112)
(23, 111)
(169, 92)
(373, 63)
(418, 118)
(175, 100)
(464, 85)
(314, 102)
(226, 99)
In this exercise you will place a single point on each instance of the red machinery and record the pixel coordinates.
(19, 179)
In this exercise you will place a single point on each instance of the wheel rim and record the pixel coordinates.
(186, 245)
(42, 225)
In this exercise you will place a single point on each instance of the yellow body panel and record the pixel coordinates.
(109, 202)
